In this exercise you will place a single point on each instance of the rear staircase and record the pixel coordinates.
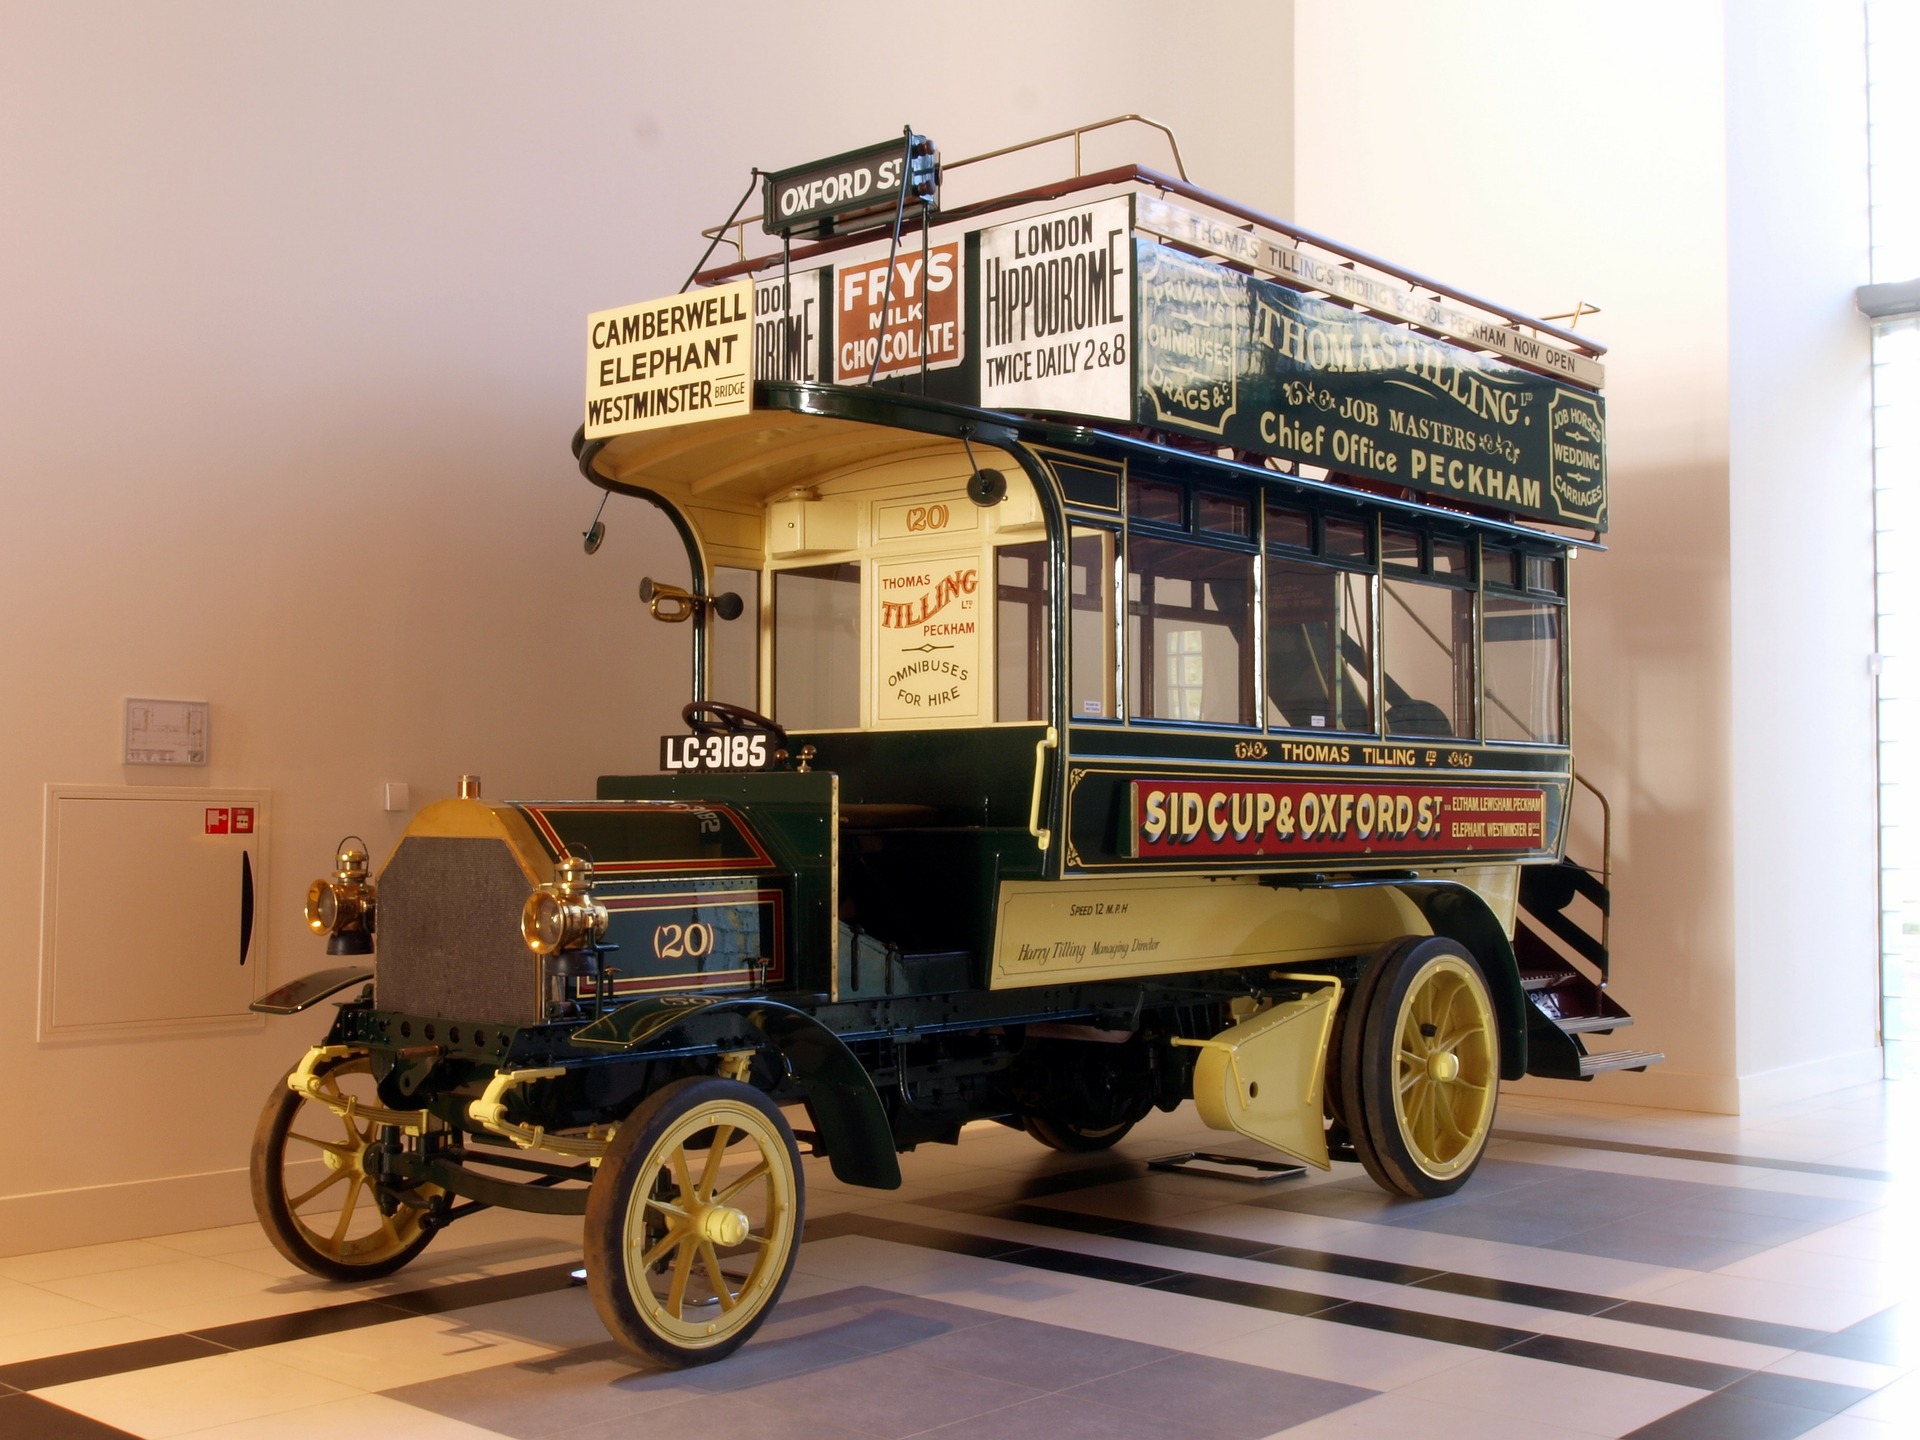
(1560, 938)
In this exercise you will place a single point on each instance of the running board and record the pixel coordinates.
(1619, 1060)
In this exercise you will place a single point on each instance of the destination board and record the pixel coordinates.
(1256, 365)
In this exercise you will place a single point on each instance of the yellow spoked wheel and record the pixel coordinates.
(311, 1188)
(1420, 1067)
(693, 1220)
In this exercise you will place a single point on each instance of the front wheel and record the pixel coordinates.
(693, 1221)
(326, 1217)
(1420, 1067)
(1072, 1139)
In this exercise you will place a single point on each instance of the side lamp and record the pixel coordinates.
(341, 907)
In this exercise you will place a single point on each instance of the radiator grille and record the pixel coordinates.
(448, 932)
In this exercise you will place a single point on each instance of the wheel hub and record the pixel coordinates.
(721, 1224)
(1443, 1066)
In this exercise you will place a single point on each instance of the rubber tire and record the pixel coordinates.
(609, 1196)
(1368, 1070)
(1058, 1135)
(266, 1179)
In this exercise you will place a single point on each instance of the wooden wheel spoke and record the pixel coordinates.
(716, 1156)
(758, 1172)
(682, 1176)
(332, 1147)
(682, 1269)
(1411, 1077)
(716, 1277)
(658, 1253)
(665, 1208)
(346, 1211)
(334, 1177)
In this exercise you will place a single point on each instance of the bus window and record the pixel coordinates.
(733, 648)
(1427, 653)
(1522, 648)
(816, 647)
(1020, 626)
(1189, 651)
(1319, 647)
(1090, 624)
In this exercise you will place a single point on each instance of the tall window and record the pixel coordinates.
(1522, 639)
(1893, 151)
(1020, 628)
(1426, 633)
(816, 647)
(1319, 629)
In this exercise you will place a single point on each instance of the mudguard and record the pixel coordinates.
(1457, 912)
(297, 995)
(846, 1109)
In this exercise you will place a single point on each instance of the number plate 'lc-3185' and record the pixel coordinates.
(746, 750)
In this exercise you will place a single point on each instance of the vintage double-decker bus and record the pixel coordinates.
(1129, 665)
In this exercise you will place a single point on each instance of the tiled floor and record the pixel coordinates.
(1608, 1271)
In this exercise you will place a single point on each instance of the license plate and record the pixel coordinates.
(745, 750)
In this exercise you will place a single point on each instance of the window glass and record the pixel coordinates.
(1400, 547)
(1544, 572)
(733, 646)
(1523, 670)
(1503, 566)
(1348, 539)
(1090, 624)
(1021, 640)
(1427, 654)
(1223, 514)
(1287, 526)
(1452, 556)
(816, 647)
(1319, 647)
(1156, 500)
(1189, 650)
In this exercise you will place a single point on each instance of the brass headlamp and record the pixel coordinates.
(563, 915)
(341, 908)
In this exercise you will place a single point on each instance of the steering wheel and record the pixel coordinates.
(718, 717)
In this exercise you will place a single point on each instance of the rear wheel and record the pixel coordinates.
(326, 1217)
(693, 1221)
(1420, 1067)
(1063, 1135)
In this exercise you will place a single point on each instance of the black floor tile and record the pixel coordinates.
(1726, 1327)
(1730, 1417)
(1890, 1338)
(488, 1290)
(1621, 1360)
(1243, 1292)
(323, 1320)
(1821, 1395)
(28, 1417)
(1513, 1292)
(1093, 1267)
(106, 1360)
(1474, 1334)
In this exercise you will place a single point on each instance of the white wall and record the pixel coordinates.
(1700, 176)
(1806, 900)
(290, 355)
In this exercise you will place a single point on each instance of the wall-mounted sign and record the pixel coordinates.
(924, 300)
(1262, 367)
(927, 644)
(166, 732)
(1056, 312)
(789, 325)
(812, 199)
(669, 362)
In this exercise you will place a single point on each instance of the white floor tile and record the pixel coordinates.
(198, 1394)
(1594, 1401)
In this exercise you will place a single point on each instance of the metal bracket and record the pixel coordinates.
(489, 1112)
(305, 1082)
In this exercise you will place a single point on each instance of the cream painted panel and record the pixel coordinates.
(1050, 933)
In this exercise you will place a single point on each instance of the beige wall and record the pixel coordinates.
(291, 351)
(1700, 177)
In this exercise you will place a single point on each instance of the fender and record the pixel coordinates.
(846, 1109)
(296, 995)
(1457, 912)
